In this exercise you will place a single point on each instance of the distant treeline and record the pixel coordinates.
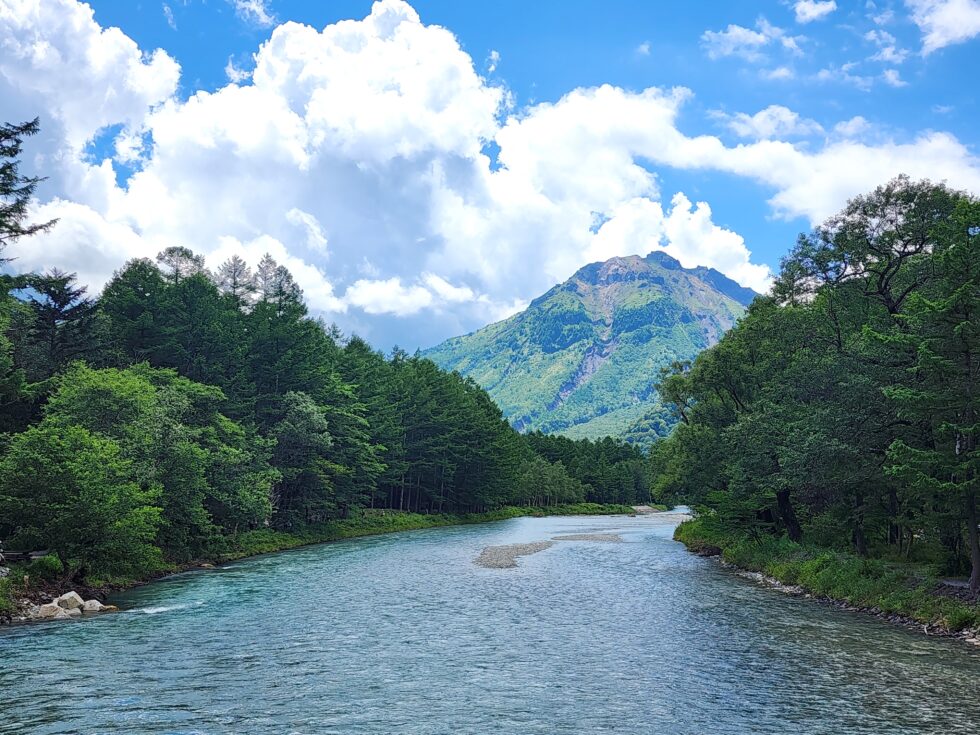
(844, 408)
(184, 406)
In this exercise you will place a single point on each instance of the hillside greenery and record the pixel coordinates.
(582, 359)
(842, 412)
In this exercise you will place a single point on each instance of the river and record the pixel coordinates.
(405, 634)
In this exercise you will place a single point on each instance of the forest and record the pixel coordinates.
(184, 406)
(842, 411)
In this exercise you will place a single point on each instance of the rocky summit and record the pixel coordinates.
(583, 359)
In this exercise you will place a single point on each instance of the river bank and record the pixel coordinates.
(900, 594)
(44, 577)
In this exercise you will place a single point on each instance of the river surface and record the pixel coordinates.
(404, 634)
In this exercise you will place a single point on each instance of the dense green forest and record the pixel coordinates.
(184, 406)
(842, 411)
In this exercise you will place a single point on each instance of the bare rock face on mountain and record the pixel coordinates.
(582, 359)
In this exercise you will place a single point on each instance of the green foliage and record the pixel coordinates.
(16, 190)
(47, 568)
(70, 490)
(606, 471)
(218, 418)
(60, 325)
(582, 360)
(7, 591)
(843, 409)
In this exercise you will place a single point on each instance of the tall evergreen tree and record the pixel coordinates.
(63, 324)
(16, 190)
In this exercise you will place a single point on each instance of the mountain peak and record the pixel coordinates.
(633, 267)
(663, 259)
(583, 358)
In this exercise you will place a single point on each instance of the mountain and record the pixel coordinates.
(583, 358)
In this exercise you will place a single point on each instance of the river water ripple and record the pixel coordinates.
(405, 634)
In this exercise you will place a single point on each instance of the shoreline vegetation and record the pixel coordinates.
(46, 576)
(830, 439)
(906, 594)
(197, 410)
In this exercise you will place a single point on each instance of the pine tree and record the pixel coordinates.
(945, 394)
(179, 262)
(16, 190)
(236, 280)
(62, 329)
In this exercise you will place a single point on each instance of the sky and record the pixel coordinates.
(424, 169)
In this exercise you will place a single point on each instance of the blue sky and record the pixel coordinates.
(763, 117)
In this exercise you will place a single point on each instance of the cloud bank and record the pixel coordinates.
(373, 160)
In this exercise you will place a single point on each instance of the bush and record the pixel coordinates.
(6, 596)
(46, 569)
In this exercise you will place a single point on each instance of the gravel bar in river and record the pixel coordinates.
(503, 557)
(603, 537)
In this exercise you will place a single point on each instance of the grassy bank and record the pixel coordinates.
(904, 590)
(46, 576)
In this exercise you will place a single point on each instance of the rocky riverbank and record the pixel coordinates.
(63, 607)
(849, 583)
(970, 635)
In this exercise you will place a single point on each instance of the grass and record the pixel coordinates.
(908, 590)
(7, 605)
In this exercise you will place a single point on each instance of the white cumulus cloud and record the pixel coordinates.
(776, 121)
(808, 11)
(945, 22)
(749, 44)
(359, 157)
(254, 11)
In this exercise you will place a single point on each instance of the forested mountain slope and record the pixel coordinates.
(583, 358)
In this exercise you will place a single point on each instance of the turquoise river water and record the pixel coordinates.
(405, 634)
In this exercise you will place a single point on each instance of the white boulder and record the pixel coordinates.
(70, 600)
(92, 606)
(50, 610)
(75, 612)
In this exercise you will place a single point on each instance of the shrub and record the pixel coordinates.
(46, 569)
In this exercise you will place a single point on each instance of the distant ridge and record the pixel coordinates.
(582, 359)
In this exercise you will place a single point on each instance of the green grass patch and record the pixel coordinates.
(46, 569)
(7, 605)
(901, 589)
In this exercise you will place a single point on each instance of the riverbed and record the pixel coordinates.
(405, 633)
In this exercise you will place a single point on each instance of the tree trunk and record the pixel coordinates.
(974, 535)
(788, 516)
(894, 529)
(860, 542)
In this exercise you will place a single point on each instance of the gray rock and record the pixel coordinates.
(70, 600)
(4, 572)
(51, 610)
(92, 606)
(75, 612)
